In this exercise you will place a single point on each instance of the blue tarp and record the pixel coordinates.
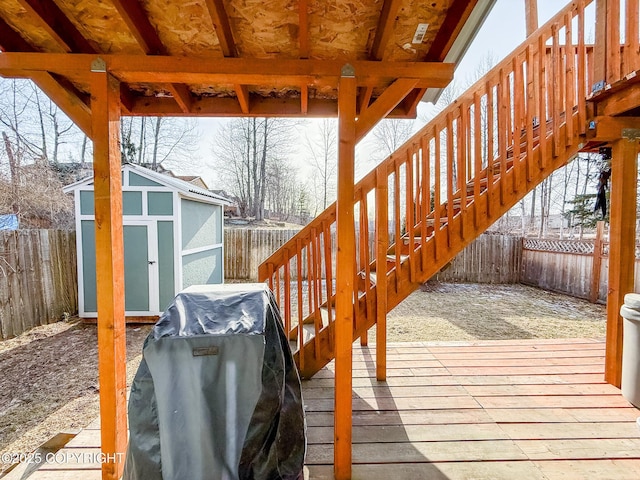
(8, 222)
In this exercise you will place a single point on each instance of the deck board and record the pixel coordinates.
(499, 410)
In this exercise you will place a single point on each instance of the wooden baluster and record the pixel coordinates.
(477, 154)
(309, 279)
(409, 210)
(426, 196)
(531, 110)
(382, 245)
(543, 82)
(503, 106)
(277, 292)
(490, 146)
(518, 108)
(398, 220)
(287, 292)
(450, 183)
(632, 59)
(313, 284)
(461, 128)
(366, 261)
(582, 71)
(300, 305)
(555, 91)
(437, 207)
(613, 41)
(270, 270)
(328, 262)
(570, 62)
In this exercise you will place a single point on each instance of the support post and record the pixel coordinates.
(382, 245)
(622, 237)
(345, 273)
(531, 14)
(597, 263)
(600, 48)
(105, 106)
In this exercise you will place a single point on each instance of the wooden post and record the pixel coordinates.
(597, 263)
(622, 235)
(531, 14)
(600, 47)
(345, 272)
(105, 107)
(382, 245)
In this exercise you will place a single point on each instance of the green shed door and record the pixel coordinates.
(136, 268)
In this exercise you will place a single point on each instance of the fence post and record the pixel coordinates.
(597, 263)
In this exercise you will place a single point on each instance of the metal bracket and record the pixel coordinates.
(631, 133)
(99, 65)
(348, 70)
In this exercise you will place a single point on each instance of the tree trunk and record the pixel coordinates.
(141, 140)
(156, 139)
(14, 168)
(263, 168)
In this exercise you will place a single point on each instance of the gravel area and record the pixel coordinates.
(49, 374)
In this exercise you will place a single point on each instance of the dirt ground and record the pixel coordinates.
(48, 379)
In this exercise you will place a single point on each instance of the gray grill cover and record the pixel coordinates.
(217, 395)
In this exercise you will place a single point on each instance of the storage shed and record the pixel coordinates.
(173, 238)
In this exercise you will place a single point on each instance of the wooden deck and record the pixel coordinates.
(534, 409)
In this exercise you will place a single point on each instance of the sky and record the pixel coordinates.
(502, 32)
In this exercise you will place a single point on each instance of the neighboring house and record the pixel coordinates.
(173, 238)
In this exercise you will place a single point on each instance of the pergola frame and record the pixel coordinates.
(100, 120)
(368, 90)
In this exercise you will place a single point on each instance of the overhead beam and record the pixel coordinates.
(222, 26)
(56, 23)
(383, 105)
(105, 99)
(224, 71)
(386, 22)
(456, 17)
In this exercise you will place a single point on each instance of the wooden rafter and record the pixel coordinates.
(365, 98)
(303, 28)
(385, 28)
(68, 98)
(383, 105)
(56, 23)
(221, 23)
(242, 92)
(139, 25)
(457, 16)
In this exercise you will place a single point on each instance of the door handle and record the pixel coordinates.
(151, 262)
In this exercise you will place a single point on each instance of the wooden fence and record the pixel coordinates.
(488, 259)
(38, 280)
(246, 248)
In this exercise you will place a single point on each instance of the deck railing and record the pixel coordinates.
(494, 140)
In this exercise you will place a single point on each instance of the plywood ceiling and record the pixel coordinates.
(338, 31)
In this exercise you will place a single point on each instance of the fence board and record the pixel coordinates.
(38, 279)
(488, 259)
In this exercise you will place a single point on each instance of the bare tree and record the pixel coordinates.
(323, 153)
(243, 150)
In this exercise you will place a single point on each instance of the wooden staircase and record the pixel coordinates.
(441, 189)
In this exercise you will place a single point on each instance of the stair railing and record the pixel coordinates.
(459, 170)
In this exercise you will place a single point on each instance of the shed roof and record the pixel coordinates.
(239, 57)
(185, 188)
